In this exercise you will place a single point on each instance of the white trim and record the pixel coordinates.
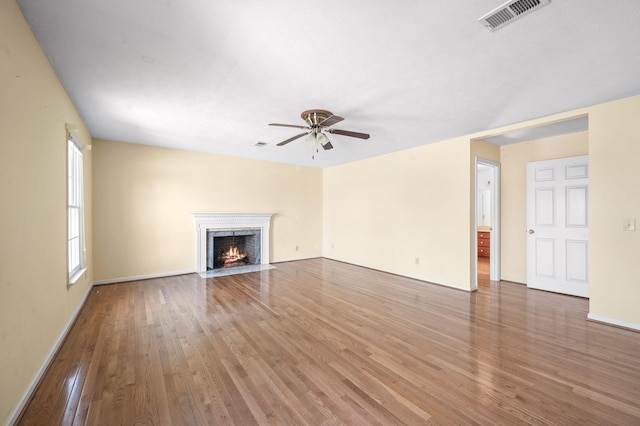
(77, 275)
(13, 417)
(295, 259)
(219, 221)
(612, 321)
(76, 138)
(142, 277)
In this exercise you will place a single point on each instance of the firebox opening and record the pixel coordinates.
(232, 248)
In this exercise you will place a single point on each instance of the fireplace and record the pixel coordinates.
(231, 241)
(234, 247)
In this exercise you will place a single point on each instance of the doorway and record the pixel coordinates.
(487, 220)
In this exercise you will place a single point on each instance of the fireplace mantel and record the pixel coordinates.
(228, 221)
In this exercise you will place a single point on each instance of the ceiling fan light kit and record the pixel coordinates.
(318, 123)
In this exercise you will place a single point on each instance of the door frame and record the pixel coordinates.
(494, 253)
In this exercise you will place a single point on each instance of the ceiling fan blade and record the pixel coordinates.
(330, 121)
(327, 145)
(348, 133)
(293, 138)
(288, 125)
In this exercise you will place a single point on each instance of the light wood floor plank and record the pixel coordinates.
(322, 342)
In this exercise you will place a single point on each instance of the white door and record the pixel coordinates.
(558, 225)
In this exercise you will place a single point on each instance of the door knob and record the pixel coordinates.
(531, 231)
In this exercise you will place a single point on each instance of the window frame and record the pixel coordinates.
(76, 250)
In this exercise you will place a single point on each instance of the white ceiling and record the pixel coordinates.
(209, 75)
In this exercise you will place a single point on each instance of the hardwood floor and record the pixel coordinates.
(483, 268)
(323, 342)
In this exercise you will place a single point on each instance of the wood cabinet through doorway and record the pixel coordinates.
(484, 244)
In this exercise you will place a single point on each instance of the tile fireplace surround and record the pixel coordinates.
(226, 222)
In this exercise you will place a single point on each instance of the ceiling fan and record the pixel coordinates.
(318, 125)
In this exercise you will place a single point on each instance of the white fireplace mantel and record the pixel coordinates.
(222, 221)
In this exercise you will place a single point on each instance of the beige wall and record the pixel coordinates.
(386, 211)
(35, 303)
(513, 162)
(483, 150)
(614, 162)
(145, 197)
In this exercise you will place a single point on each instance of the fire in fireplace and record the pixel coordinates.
(233, 257)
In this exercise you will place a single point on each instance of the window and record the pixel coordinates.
(75, 212)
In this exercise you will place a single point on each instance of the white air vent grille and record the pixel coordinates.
(509, 12)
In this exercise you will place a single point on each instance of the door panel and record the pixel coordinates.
(577, 261)
(545, 258)
(577, 206)
(545, 208)
(558, 225)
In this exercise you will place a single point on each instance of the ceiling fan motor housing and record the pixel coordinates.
(314, 117)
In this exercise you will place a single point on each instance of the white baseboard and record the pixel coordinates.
(612, 321)
(294, 259)
(43, 369)
(142, 277)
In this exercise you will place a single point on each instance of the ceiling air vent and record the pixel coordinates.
(509, 12)
(260, 144)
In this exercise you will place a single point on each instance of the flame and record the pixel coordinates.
(233, 252)
(233, 255)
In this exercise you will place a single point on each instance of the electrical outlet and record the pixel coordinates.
(417, 260)
(297, 248)
(628, 224)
